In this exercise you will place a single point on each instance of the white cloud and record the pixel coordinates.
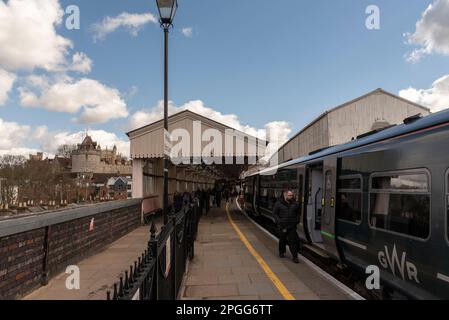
(133, 22)
(7, 80)
(13, 134)
(96, 102)
(145, 117)
(436, 98)
(28, 38)
(188, 32)
(25, 152)
(81, 63)
(50, 141)
(19, 139)
(276, 132)
(432, 32)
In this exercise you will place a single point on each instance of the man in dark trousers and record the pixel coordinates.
(286, 213)
(218, 198)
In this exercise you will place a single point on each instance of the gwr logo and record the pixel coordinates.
(392, 261)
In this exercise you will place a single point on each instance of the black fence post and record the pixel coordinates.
(145, 276)
(192, 233)
(45, 271)
(153, 254)
(175, 243)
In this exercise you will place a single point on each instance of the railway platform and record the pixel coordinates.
(237, 260)
(98, 272)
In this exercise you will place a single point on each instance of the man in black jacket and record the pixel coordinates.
(286, 213)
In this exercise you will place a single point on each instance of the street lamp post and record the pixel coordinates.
(167, 10)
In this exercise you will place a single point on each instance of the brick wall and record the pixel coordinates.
(70, 241)
(21, 257)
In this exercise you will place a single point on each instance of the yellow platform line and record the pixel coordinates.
(266, 268)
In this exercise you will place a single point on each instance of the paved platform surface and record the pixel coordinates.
(99, 272)
(224, 268)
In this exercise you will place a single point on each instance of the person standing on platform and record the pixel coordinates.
(286, 213)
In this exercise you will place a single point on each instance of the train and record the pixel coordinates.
(380, 200)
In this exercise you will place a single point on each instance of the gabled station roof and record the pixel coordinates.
(148, 141)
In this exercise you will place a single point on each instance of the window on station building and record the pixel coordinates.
(400, 202)
(349, 205)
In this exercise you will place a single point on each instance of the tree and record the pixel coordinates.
(65, 151)
(10, 161)
(13, 175)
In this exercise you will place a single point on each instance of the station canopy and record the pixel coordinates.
(197, 141)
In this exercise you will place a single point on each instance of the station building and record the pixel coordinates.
(373, 111)
(232, 151)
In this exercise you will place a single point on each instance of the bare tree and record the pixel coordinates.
(12, 172)
(65, 150)
(10, 161)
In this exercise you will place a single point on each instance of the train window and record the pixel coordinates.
(349, 205)
(447, 203)
(300, 194)
(411, 182)
(349, 183)
(277, 193)
(249, 190)
(286, 178)
(401, 203)
(264, 193)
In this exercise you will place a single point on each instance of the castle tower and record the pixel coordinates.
(87, 157)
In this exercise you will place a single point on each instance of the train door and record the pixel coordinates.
(314, 206)
(256, 190)
(329, 201)
(302, 201)
(248, 193)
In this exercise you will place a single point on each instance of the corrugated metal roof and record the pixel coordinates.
(379, 90)
(431, 120)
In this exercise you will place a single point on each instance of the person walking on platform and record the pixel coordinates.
(177, 202)
(286, 213)
(227, 195)
(187, 198)
(218, 198)
(205, 198)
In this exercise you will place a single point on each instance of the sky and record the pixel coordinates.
(263, 67)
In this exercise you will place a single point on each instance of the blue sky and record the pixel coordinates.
(263, 61)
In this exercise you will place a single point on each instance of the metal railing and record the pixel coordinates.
(159, 271)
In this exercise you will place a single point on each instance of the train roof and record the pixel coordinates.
(410, 125)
